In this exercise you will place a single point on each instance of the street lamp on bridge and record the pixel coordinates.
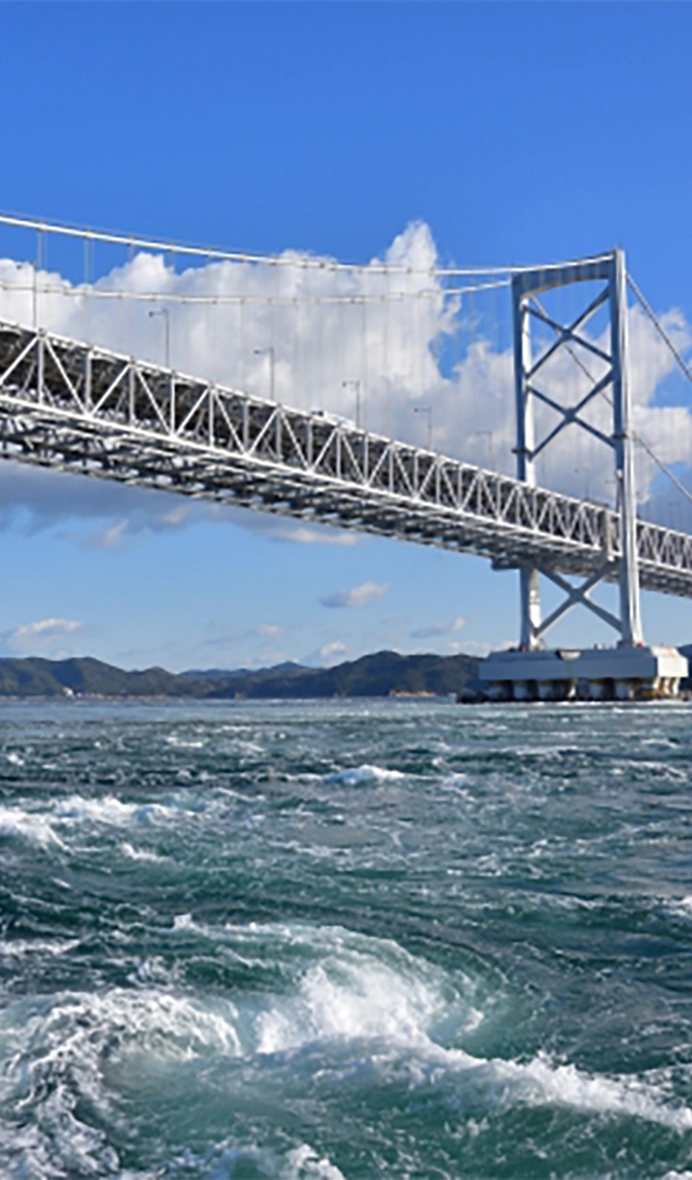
(163, 311)
(269, 351)
(428, 411)
(355, 385)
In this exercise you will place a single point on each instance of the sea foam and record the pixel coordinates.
(363, 776)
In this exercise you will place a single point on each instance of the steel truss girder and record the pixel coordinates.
(71, 406)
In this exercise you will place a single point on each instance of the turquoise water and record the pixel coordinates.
(347, 939)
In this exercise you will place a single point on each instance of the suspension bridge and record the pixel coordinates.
(75, 403)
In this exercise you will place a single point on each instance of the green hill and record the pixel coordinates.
(380, 674)
(83, 676)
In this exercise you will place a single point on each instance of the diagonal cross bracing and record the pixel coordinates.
(74, 407)
(526, 287)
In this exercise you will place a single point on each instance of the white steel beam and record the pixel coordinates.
(78, 408)
(526, 287)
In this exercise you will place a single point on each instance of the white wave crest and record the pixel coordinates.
(371, 990)
(357, 1002)
(34, 826)
(303, 1163)
(182, 743)
(358, 776)
(21, 948)
(680, 907)
(106, 809)
(78, 1030)
(540, 1082)
(228, 1159)
(142, 854)
(50, 824)
(348, 998)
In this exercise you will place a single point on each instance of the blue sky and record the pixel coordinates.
(516, 132)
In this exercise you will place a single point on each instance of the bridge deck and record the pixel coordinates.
(84, 409)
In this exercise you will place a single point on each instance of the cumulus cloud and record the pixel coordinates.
(40, 637)
(334, 652)
(281, 528)
(356, 595)
(326, 326)
(356, 342)
(108, 515)
(480, 648)
(331, 650)
(96, 513)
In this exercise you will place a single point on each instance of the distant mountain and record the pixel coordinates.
(381, 674)
(213, 673)
(84, 676)
(234, 673)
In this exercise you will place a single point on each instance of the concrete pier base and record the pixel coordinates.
(596, 674)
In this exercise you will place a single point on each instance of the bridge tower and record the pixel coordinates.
(630, 669)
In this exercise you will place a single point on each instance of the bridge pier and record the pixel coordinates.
(598, 674)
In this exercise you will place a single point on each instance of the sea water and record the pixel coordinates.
(315, 941)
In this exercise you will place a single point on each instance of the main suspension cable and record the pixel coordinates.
(659, 328)
(637, 438)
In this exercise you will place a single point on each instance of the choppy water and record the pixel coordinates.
(352, 940)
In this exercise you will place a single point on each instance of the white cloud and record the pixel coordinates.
(325, 656)
(436, 629)
(39, 498)
(479, 648)
(282, 528)
(110, 537)
(300, 535)
(39, 637)
(329, 650)
(355, 596)
(269, 630)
